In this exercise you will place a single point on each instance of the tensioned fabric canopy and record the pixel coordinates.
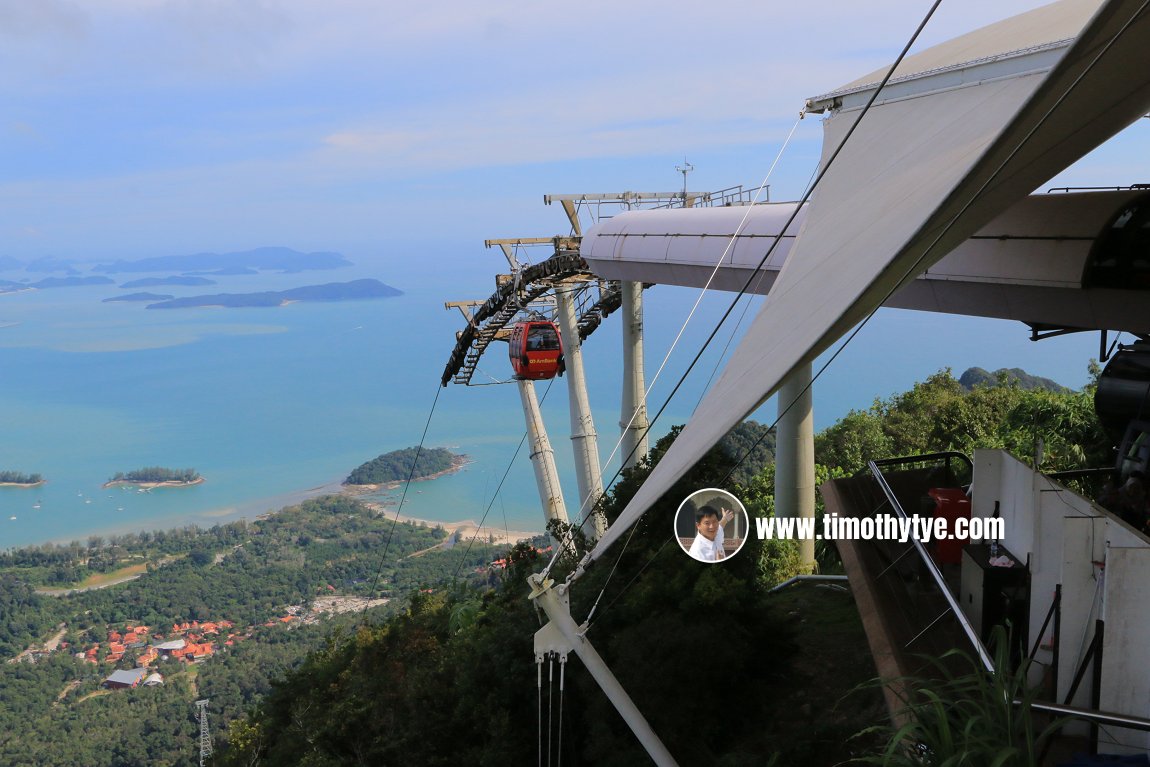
(966, 129)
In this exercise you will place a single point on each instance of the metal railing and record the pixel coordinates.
(1122, 721)
(927, 561)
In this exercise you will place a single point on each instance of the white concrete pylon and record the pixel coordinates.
(633, 416)
(584, 440)
(542, 456)
(795, 456)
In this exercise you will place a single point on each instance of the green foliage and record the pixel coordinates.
(780, 559)
(752, 445)
(451, 680)
(247, 573)
(968, 719)
(396, 466)
(20, 478)
(974, 377)
(940, 414)
(156, 474)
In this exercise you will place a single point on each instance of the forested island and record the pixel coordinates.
(333, 291)
(151, 282)
(272, 258)
(139, 297)
(156, 476)
(20, 479)
(396, 466)
(57, 282)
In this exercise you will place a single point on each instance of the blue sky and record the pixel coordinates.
(403, 134)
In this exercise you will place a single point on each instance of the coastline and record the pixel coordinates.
(23, 484)
(458, 462)
(151, 485)
(457, 530)
(265, 506)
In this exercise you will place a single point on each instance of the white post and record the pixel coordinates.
(633, 418)
(561, 634)
(584, 440)
(795, 456)
(542, 456)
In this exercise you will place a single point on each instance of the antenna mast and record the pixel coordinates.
(205, 734)
(685, 168)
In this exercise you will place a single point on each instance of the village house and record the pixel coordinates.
(119, 680)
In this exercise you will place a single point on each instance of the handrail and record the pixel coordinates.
(932, 568)
(1101, 717)
(926, 457)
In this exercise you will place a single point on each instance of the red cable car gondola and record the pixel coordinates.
(536, 350)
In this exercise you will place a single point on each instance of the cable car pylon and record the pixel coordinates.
(633, 402)
(584, 438)
(542, 456)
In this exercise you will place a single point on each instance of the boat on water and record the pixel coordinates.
(13, 517)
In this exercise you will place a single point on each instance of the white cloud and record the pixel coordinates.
(24, 22)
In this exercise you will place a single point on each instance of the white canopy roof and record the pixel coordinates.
(922, 173)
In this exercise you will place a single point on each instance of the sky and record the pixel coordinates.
(404, 134)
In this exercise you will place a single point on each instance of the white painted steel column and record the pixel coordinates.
(795, 455)
(633, 418)
(563, 630)
(584, 440)
(542, 456)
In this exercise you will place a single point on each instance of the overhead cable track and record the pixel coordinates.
(509, 299)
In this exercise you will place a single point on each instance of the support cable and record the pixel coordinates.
(739, 324)
(674, 343)
(398, 508)
(562, 676)
(790, 220)
(627, 585)
(950, 224)
(498, 489)
(550, 696)
(539, 708)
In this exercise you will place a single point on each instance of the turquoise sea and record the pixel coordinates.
(267, 404)
(273, 405)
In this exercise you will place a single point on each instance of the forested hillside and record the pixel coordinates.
(704, 651)
(251, 593)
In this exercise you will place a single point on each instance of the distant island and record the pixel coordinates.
(228, 271)
(395, 467)
(1010, 377)
(278, 259)
(56, 282)
(334, 291)
(152, 282)
(20, 479)
(139, 297)
(156, 476)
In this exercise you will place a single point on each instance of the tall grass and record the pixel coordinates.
(966, 718)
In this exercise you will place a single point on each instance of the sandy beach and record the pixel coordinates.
(151, 485)
(462, 530)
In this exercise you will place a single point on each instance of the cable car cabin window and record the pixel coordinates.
(1121, 255)
(542, 338)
